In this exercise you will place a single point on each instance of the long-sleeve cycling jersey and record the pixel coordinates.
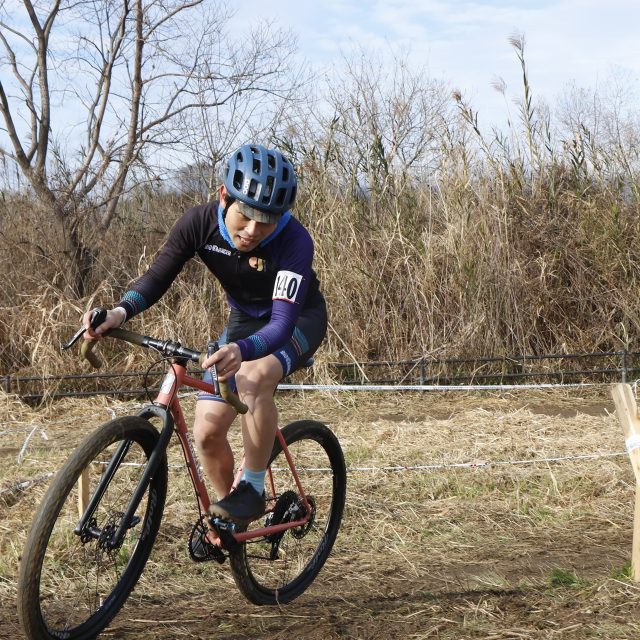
(274, 280)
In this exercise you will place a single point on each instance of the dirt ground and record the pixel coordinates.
(469, 515)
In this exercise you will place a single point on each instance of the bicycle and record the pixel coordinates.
(94, 531)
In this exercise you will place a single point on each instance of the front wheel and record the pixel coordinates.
(72, 583)
(279, 568)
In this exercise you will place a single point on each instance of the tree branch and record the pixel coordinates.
(95, 121)
(20, 155)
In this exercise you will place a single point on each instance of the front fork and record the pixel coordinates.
(85, 527)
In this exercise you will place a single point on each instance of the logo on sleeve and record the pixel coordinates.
(287, 286)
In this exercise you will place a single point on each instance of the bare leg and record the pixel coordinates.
(210, 429)
(257, 381)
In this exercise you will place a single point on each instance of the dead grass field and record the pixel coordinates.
(494, 551)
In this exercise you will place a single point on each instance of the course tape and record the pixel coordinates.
(428, 387)
(21, 486)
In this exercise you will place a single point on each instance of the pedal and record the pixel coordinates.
(225, 529)
(200, 549)
(223, 525)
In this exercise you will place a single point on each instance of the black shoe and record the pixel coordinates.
(242, 506)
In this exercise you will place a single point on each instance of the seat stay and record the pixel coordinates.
(294, 471)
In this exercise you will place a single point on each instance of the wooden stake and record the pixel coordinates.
(83, 491)
(635, 545)
(627, 411)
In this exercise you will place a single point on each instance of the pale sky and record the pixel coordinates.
(466, 43)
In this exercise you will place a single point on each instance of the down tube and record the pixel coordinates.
(190, 457)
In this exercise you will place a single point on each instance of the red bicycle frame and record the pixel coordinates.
(167, 397)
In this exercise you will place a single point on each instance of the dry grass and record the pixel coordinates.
(469, 271)
(435, 234)
(506, 551)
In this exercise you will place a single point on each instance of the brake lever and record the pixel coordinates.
(212, 347)
(76, 336)
(98, 316)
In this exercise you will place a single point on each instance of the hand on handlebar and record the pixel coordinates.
(227, 360)
(114, 319)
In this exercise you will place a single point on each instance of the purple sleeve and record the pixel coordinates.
(289, 294)
(273, 335)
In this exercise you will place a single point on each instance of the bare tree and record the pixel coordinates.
(209, 135)
(369, 131)
(101, 88)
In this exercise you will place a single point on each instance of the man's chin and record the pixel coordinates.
(244, 247)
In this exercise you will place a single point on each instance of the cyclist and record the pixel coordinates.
(262, 257)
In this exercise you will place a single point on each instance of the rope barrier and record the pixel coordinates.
(431, 387)
(21, 486)
(489, 463)
(397, 383)
(25, 484)
(393, 468)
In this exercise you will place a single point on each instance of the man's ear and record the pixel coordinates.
(223, 194)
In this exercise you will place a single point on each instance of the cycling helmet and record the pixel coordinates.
(262, 181)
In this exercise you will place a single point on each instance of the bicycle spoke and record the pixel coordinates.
(77, 576)
(83, 578)
(280, 567)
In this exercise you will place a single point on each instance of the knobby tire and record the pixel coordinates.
(270, 572)
(69, 588)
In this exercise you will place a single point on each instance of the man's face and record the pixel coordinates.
(245, 233)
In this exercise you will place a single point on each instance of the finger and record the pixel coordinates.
(211, 360)
(226, 376)
(105, 326)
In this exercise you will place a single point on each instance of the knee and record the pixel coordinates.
(208, 439)
(258, 380)
(210, 430)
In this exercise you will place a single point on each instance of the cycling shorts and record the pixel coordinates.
(308, 334)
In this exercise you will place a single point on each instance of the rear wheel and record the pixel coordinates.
(72, 584)
(279, 568)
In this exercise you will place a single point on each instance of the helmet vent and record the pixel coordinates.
(254, 188)
(271, 161)
(280, 197)
(237, 179)
(268, 189)
(256, 165)
(285, 174)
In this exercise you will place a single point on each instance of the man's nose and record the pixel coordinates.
(252, 228)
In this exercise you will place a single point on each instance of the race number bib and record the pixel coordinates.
(287, 286)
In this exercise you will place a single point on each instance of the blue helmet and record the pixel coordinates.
(262, 181)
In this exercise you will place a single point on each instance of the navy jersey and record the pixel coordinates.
(275, 280)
